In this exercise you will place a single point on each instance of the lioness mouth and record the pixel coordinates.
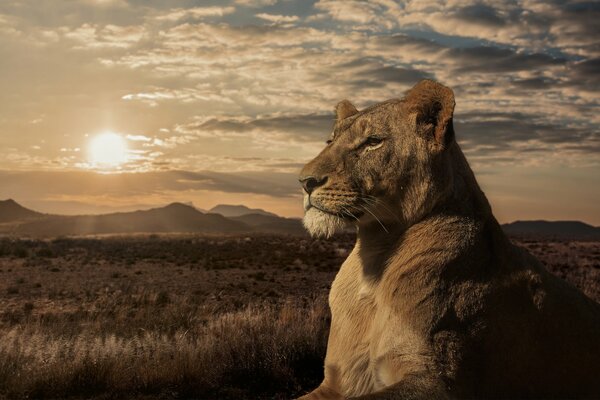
(321, 223)
(339, 214)
(322, 210)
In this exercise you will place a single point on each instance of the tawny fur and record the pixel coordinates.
(434, 302)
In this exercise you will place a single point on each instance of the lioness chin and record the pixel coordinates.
(434, 301)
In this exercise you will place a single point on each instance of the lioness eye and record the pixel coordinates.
(328, 141)
(373, 141)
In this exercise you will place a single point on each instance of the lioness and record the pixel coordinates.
(434, 302)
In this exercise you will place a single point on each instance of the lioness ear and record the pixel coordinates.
(433, 104)
(344, 109)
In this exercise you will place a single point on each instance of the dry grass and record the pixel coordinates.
(577, 262)
(184, 317)
(167, 317)
(260, 352)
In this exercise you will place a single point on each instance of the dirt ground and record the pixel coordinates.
(98, 317)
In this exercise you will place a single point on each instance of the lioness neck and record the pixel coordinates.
(461, 206)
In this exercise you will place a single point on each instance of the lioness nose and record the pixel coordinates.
(310, 183)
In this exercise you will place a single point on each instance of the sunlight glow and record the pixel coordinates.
(108, 150)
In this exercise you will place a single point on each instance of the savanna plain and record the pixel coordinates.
(186, 316)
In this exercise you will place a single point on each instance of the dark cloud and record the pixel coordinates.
(374, 72)
(496, 131)
(403, 40)
(588, 73)
(299, 127)
(376, 76)
(398, 74)
(538, 83)
(583, 17)
(488, 59)
(480, 14)
(501, 131)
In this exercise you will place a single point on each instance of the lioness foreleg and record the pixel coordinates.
(322, 393)
(415, 386)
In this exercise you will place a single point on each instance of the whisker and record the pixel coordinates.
(374, 216)
(346, 210)
(374, 201)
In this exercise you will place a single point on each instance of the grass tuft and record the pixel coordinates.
(259, 352)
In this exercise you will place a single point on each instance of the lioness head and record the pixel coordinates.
(386, 165)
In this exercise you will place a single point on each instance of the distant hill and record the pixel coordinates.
(275, 224)
(11, 211)
(228, 210)
(191, 204)
(224, 218)
(557, 229)
(175, 217)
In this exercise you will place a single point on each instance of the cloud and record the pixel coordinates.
(488, 59)
(298, 127)
(575, 26)
(506, 137)
(369, 72)
(533, 25)
(481, 14)
(352, 11)
(183, 95)
(241, 37)
(588, 73)
(255, 3)
(138, 138)
(267, 78)
(26, 184)
(278, 19)
(249, 86)
(194, 13)
(407, 47)
(90, 36)
(8, 26)
(107, 3)
(536, 83)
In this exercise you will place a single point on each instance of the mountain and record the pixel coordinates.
(175, 217)
(274, 224)
(11, 211)
(191, 204)
(224, 218)
(228, 210)
(557, 229)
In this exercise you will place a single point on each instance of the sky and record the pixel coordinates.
(224, 101)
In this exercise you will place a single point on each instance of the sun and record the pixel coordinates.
(108, 150)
